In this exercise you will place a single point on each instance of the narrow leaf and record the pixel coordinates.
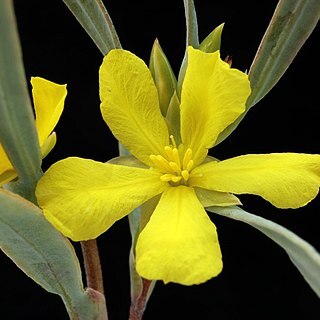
(94, 18)
(173, 118)
(163, 76)
(192, 39)
(45, 255)
(301, 253)
(18, 135)
(213, 41)
(291, 25)
(192, 24)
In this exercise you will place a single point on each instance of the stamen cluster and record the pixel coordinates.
(175, 165)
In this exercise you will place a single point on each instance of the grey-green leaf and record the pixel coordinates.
(94, 18)
(18, 135)
(192, 24)
(46, 256)
(163, 76)
(301, 253)
(212, 42)
(192, 39)
(291, 25)
(173, 118)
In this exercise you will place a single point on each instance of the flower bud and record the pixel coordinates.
(212, 42)
(163, 76)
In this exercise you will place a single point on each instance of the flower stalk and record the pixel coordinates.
(92, 265)
(139, 304)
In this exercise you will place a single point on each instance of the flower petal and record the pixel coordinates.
(83, 198)
(209, 198)
(287, 180)
(7, 172)
(48, 99)
(48, 144)
(130, 105)
(213, 96)
(179, 243)
(7, 176)
(5, 163)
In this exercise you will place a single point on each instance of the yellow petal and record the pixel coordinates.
(83, 198)
(287, 180)
(147, 209)
(7, 176)
(48, 99)
(130, 106)
(7, 172)
(213, 96)
(179, 243)
(48, 144)
(210, 198)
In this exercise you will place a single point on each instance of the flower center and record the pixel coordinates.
(175, 166)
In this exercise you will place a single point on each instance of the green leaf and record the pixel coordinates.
(94, 18)
(18, 134)
(213, 41)
(192, 39)
(291, 25)
(301, 253)
(192, 24)
(182, 73)
(173, 118)
(45, 255)
(163, 76)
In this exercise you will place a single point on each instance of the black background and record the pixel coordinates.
(258, 280)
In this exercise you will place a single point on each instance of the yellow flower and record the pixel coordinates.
(48, 99)
(83, 198)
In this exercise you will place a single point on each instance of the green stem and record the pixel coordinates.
(138, 305)
(92, 265)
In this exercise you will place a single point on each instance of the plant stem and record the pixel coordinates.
(92, 265)
(138, 305)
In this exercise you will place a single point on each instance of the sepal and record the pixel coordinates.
(163, 76)
(213, 41)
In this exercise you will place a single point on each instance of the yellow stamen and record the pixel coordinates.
(160, 162)
(168, 151)
(176, 157)
(189, 165)
(174, 167)
(176, 179)
(153, 158)
(166, 177)
(173, 155)
(173, 141)
(170, 164)
(185, 175)
(187, 158)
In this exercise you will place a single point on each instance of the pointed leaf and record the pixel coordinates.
(173, 117)
(192, 24)
(212, 42)
(94, 18)
(182, 73)
(192, 39)
(17, 130)
(291, 25)
(163, 76)
(301, 253)
(45, 256)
